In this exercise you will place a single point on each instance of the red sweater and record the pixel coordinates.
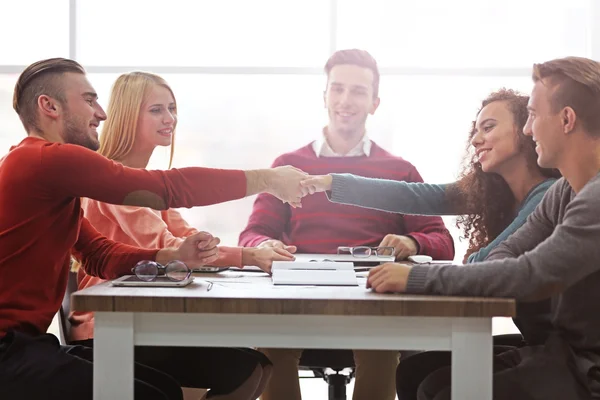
(41, 221)
(320, 226)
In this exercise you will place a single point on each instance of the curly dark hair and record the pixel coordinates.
(487, 196)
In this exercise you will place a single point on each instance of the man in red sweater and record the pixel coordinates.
(41, 224)
(321, 226)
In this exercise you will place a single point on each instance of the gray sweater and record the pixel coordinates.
(556, 253)
(422, 199)
(533, 319)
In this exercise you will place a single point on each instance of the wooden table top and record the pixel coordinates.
(235, 292)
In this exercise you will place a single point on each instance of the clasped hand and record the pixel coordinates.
(290, 184)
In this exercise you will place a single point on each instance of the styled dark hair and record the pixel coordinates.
(358, 57)
(41, 78)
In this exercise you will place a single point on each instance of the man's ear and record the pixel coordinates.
(376, 102)
(49, 106)
(324, 98)
(568, 119)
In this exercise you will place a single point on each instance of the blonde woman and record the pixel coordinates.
(142, 114)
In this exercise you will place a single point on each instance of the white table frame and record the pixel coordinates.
(116, 333)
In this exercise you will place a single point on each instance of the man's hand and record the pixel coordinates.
(277, 244)
(284, 183)
(389, 277)
(263, 257)
(404, 246)
(316, 183)
(195, 251)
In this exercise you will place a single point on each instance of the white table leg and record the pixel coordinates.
(113, 356)
(472, 359)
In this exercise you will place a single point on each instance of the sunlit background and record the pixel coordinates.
(248, 74)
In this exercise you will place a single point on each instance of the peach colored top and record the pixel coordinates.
(136, 226)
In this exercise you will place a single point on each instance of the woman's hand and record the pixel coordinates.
(195, 251)
(263, 257)
(316, 183)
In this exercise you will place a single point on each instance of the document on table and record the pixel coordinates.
(323, 273)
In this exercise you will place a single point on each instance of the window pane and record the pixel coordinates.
(32, 30)
(204, 33)
(430, 117)
(465, 33)
(11, 129)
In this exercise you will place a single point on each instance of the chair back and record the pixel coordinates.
(65, 309)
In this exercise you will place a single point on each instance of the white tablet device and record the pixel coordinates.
(161, 281)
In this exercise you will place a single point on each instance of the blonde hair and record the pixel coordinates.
(576, 82)
(119, 129)
(126, 98)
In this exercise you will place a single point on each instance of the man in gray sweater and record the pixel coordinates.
(556, 254)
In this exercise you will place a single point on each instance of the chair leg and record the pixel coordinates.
(337, 386)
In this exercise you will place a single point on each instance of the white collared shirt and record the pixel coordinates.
(323, 149)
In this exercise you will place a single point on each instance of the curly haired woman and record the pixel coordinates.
(500, 185)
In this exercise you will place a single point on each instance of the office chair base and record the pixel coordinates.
(337, 385)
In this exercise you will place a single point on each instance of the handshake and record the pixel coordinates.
(290, 184)
(287, 183)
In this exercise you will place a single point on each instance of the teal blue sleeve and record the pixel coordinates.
(393, 196)
(510, 229)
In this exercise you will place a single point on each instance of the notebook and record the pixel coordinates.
(357, 261)
(326, 273)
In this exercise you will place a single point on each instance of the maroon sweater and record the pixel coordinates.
(41, 220)
(320, 226)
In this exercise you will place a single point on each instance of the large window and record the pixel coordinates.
(268, 33)
(248, 74)
(33, 30)
(465, 33)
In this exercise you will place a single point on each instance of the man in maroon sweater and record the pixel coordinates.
(321, 226)
(41, 224)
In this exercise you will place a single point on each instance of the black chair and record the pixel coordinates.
(341, 362)
(65, 309)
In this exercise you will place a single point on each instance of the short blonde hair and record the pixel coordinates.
(126, 98)
(577, 85)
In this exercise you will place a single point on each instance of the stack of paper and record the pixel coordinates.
(372, 260)
(325, 273)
